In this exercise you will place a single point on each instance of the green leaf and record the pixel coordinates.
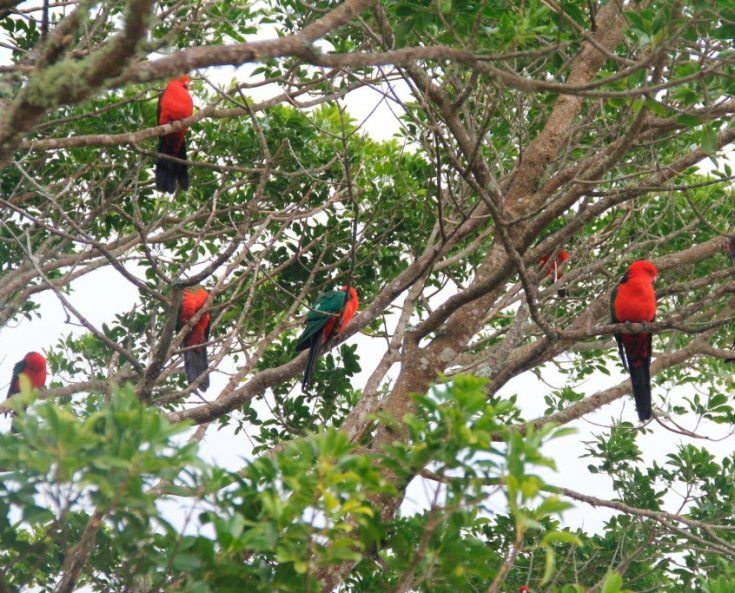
(708, 139)
(613, 583)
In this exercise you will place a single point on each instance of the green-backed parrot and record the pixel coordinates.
(331, 313)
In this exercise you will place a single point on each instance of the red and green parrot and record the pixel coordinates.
(195, 357)
(174, 104)
(33, 368)
(330, 315)
(633, 300)
(553, 270)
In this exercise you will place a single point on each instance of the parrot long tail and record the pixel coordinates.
(640, 377)
(314, 350)
(636, 352)
(168, 172)
(195, 363)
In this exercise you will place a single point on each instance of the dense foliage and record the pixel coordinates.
(429, 154)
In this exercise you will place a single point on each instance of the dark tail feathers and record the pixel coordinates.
(640, 377)
(195, 363)
(169, 173)
(314, 350)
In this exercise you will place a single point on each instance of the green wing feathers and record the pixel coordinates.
(613, 296)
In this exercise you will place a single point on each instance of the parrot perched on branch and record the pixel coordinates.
(633, 300)
(174, 104)
(332, 312)
(195, 357)
(33, 368)
(553, 270)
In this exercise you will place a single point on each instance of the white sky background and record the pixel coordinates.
(224, 448)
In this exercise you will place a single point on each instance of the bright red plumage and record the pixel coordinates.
(192, 300)
(553, 270)
(634, 301)
(350, 308)
(195, 359)
(175, 104)
(32, 366)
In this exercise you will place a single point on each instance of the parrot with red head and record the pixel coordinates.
(330, 315)
(33, 367)
(174, 104)
(523, 589)
(553, 270)
(195, 356)
(633, 300)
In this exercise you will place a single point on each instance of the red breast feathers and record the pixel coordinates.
(192, 300)
(35, 369)
(636, 299)
(350, 308)
(176, 102)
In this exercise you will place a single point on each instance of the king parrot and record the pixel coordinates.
(195, 357)
(634, 300)
(332, 312)
(174, 104)
(554, 270)
(33, 367)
